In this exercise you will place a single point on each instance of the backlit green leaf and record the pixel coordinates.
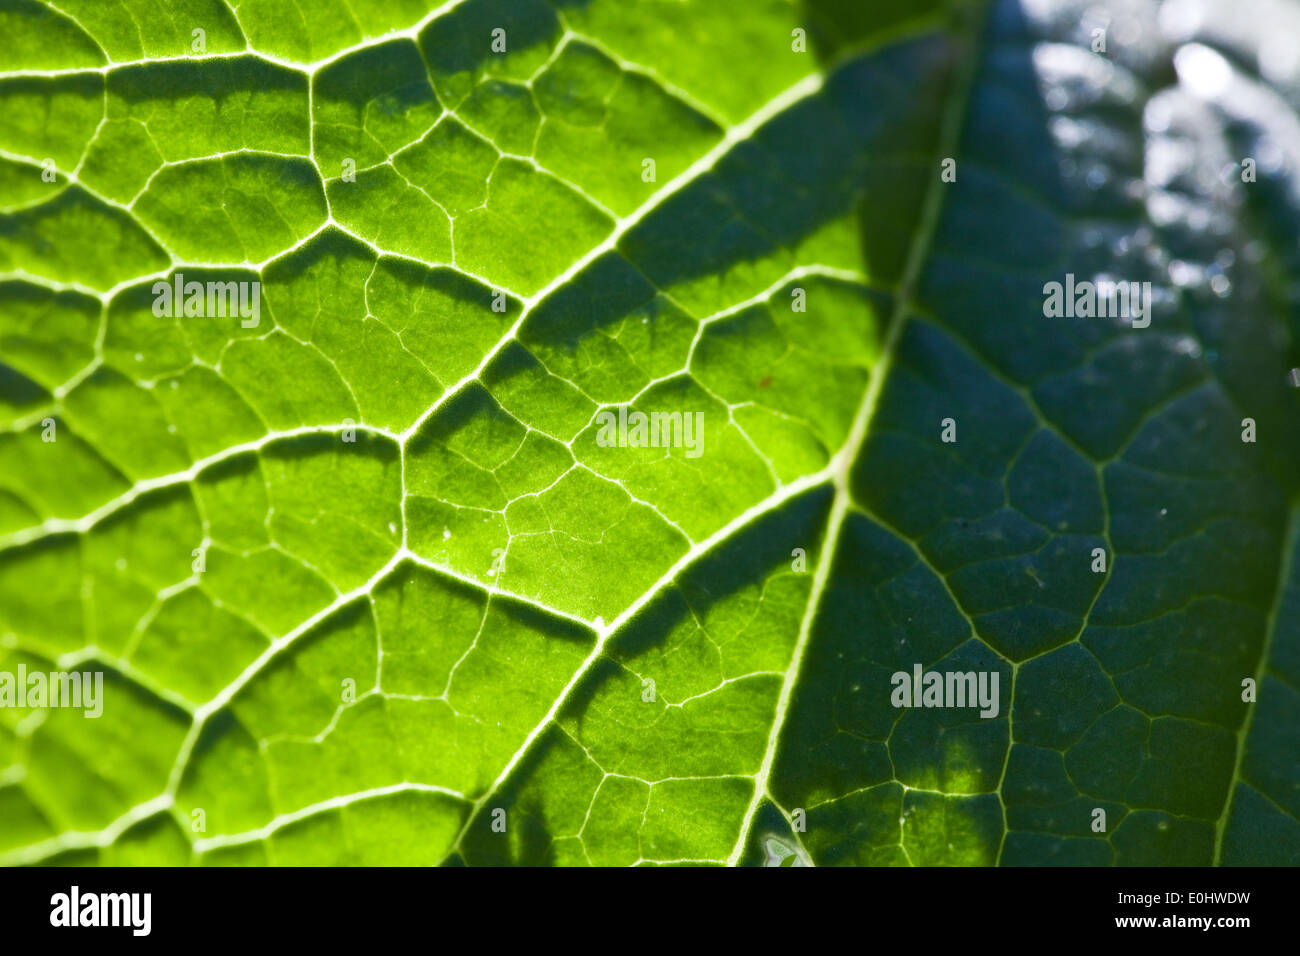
(367, 581)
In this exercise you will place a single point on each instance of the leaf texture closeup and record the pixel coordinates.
(367, 587)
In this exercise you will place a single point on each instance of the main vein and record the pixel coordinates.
(950, 130)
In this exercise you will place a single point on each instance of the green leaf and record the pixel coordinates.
(368, 584)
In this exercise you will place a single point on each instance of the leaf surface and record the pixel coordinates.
(367, 585)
